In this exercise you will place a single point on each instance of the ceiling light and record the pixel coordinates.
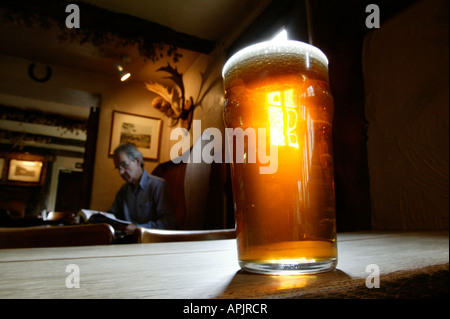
(124, 75)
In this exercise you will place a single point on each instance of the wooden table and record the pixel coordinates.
(209, 269)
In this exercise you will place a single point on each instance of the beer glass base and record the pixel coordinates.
(289, 268)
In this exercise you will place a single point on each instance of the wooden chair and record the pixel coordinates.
(201, 192)
(16, 209)
(145, 235)
(56, 236)
(63, 217)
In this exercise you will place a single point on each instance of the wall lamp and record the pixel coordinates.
(124, 75)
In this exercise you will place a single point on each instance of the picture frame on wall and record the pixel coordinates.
(25, 171)
(142, 131)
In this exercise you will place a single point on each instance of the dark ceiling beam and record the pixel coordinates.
(101, 26)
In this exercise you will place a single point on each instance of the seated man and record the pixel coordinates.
(144, 200)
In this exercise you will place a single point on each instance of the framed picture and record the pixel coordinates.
(142, 131)
(25, 171)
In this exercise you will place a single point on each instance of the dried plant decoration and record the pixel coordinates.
(172, 100)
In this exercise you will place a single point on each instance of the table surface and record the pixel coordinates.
(209, 269)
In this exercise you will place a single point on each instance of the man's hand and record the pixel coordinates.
(130, 229)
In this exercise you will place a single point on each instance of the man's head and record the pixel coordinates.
(129, 162)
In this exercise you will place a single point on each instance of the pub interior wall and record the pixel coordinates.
(406, 67)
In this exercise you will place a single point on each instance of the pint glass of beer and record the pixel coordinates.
(278, 114)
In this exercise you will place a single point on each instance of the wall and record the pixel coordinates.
(341, 40)
(202, 79)
(407, 102)
(132, 97)
(68, 92)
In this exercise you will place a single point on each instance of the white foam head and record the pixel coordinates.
(275, 47)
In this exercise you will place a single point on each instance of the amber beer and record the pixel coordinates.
(285, 221)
